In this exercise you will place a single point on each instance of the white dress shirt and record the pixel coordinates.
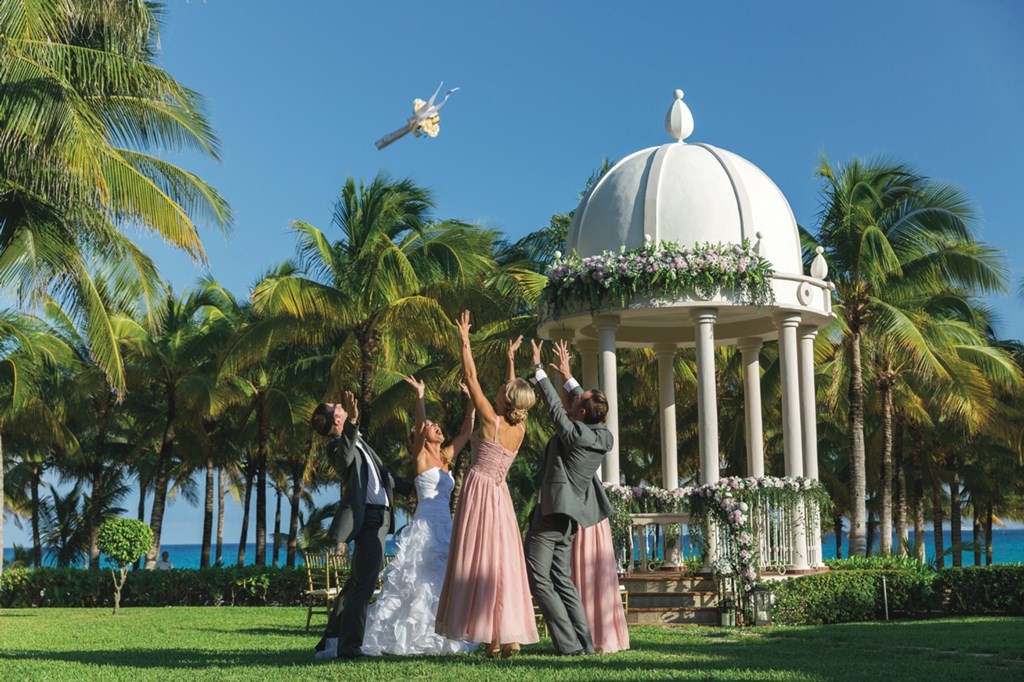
(375, 492)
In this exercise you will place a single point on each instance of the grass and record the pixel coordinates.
(180, 643)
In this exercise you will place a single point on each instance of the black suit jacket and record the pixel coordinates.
(351, 467)
(570, 485)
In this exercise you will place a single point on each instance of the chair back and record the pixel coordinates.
(317, 575)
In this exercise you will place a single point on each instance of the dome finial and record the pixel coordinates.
(679, 120)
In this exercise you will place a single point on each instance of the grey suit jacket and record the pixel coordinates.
(570, 485)
(351, 467)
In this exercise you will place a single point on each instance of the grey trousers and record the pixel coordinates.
(348, 620)
(548, 566)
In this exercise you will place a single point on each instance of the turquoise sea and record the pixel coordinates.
(1007, 548)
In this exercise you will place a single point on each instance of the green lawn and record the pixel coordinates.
(179, 643)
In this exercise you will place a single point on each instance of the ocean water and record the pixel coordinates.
(1007, 548)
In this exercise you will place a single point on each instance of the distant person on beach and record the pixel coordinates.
(365, 515)
(165, 562)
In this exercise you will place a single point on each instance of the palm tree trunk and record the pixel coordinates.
(37, 545)
(837, 524)
(261, 482)
(277, 526)
(900, 496)
(988, 533)
(369, 343)
(869, 541)
(163, 477)
(885, 512)
(293, 519)
(204, 555)
(100, 456)
(955, 511)
(858, 476)
(459, 467)
(916, 455)
(245, 516)
(222, 490)
(142, 513)
(976, 537)
(937, 514)
(1, 505)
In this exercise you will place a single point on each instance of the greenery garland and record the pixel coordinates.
(656, 269)
(728, 504)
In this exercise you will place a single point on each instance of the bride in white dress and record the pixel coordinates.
(401, 621)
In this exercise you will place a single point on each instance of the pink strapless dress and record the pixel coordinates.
(596, 577)
(486, 595)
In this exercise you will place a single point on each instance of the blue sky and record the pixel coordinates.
(299, 91)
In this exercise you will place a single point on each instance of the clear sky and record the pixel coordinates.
(299, 91)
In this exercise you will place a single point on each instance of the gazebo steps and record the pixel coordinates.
(665, 600)
(667, 581)
(685, 615)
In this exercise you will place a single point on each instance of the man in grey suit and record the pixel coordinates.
(571, 497)
(365, 515)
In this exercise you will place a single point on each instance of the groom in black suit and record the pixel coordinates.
(571, 497)
(365, 515)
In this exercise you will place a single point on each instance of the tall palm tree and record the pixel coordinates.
(177, 357)
(884, 225)
(83, 107)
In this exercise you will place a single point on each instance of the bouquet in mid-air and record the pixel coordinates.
(425, 119)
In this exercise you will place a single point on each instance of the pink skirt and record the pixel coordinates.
(486, 595)
(596, 577)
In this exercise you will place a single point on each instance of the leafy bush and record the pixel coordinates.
(248, 586)
(982, 589)
(850, 595)
(876, 563)
(123, 541)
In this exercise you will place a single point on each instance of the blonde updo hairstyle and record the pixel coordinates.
(519, 398)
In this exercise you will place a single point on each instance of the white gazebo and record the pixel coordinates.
(692, 193)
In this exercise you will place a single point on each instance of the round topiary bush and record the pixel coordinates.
(123, 541)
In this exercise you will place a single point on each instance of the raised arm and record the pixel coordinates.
(459, 442)
(345, 444)
(480, 401)
(569, 431)
(513, 346)
(420, 429)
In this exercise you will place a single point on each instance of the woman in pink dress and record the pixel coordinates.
(486, 595)
(595, 575)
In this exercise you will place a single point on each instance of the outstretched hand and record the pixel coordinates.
(562, 355)
(536, 351)
(462, 322)
(513, 346)
(418, 385)
(465, 390)
(352, 407)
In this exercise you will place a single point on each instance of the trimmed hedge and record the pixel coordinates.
(850, 595)
(982, 589)
(232, 586)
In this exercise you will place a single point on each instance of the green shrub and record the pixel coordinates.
(850, 595)
(248, 586)
(124, 541)
(876, 563)
(982, 589)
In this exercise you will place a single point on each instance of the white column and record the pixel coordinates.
(809, 427)
(707, 396)
(791, 433)
(666, 353)
(750, 348)
(607, 374)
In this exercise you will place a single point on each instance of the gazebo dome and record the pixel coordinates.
(688, 193)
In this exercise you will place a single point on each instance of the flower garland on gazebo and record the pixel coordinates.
(656, 269)
(729, 504)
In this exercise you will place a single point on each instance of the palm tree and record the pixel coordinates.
(177, 358)
(883, 225)
(82, 108)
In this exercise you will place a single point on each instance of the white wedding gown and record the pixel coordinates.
(401, 621)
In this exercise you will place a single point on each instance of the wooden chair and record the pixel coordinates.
(542, 626)
(380, 577)
(323, 577)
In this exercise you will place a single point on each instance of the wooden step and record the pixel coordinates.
(703, 599)
(673, 616)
